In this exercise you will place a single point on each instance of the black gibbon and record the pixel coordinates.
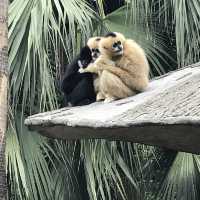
(78, 88)
(122, 67)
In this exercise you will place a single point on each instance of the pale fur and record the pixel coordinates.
(93, 43)
(128, 72)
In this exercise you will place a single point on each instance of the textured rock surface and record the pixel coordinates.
(167, 114)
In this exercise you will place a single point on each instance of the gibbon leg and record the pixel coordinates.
(82, 94)
(109, 99)
(113, 88)
(100, 96)
(96, 81)
(135, 82)
(92, 68)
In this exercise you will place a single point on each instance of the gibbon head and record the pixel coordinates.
(85, 57)
(112, 44)
(93, 44)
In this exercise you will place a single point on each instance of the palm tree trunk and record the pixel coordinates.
(3, 93)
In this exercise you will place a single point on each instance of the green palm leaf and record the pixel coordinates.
(152, 42)
(37, 30)
(182, 181)
(105, 169)
(27, 164)
(184, 17)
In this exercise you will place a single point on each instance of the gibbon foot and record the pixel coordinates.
(100, 96)
(109, 99)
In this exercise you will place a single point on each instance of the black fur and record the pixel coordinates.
(78, 88)
(110, 34)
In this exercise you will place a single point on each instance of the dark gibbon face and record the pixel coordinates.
(112, 44)
(95, 53)
(85, 57)
(93, 43)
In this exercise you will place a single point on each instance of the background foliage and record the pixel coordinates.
(45, 35)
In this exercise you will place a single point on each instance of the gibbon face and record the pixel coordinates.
(112, 44)
(85, 57)
(93, 44)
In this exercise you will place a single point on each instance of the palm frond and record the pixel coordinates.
(27, 163)
(105, 169)
(182, 181)
(153, 43)
(65, 173)
(37, 30)
(139, 11)
(184, 16)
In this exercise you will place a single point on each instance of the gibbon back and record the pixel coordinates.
(78, 88)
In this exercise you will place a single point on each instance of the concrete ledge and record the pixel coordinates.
(167, 114)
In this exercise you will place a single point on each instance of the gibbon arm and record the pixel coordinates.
(98, 66)
(126, 77)
(138, 83)
(92, 68)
